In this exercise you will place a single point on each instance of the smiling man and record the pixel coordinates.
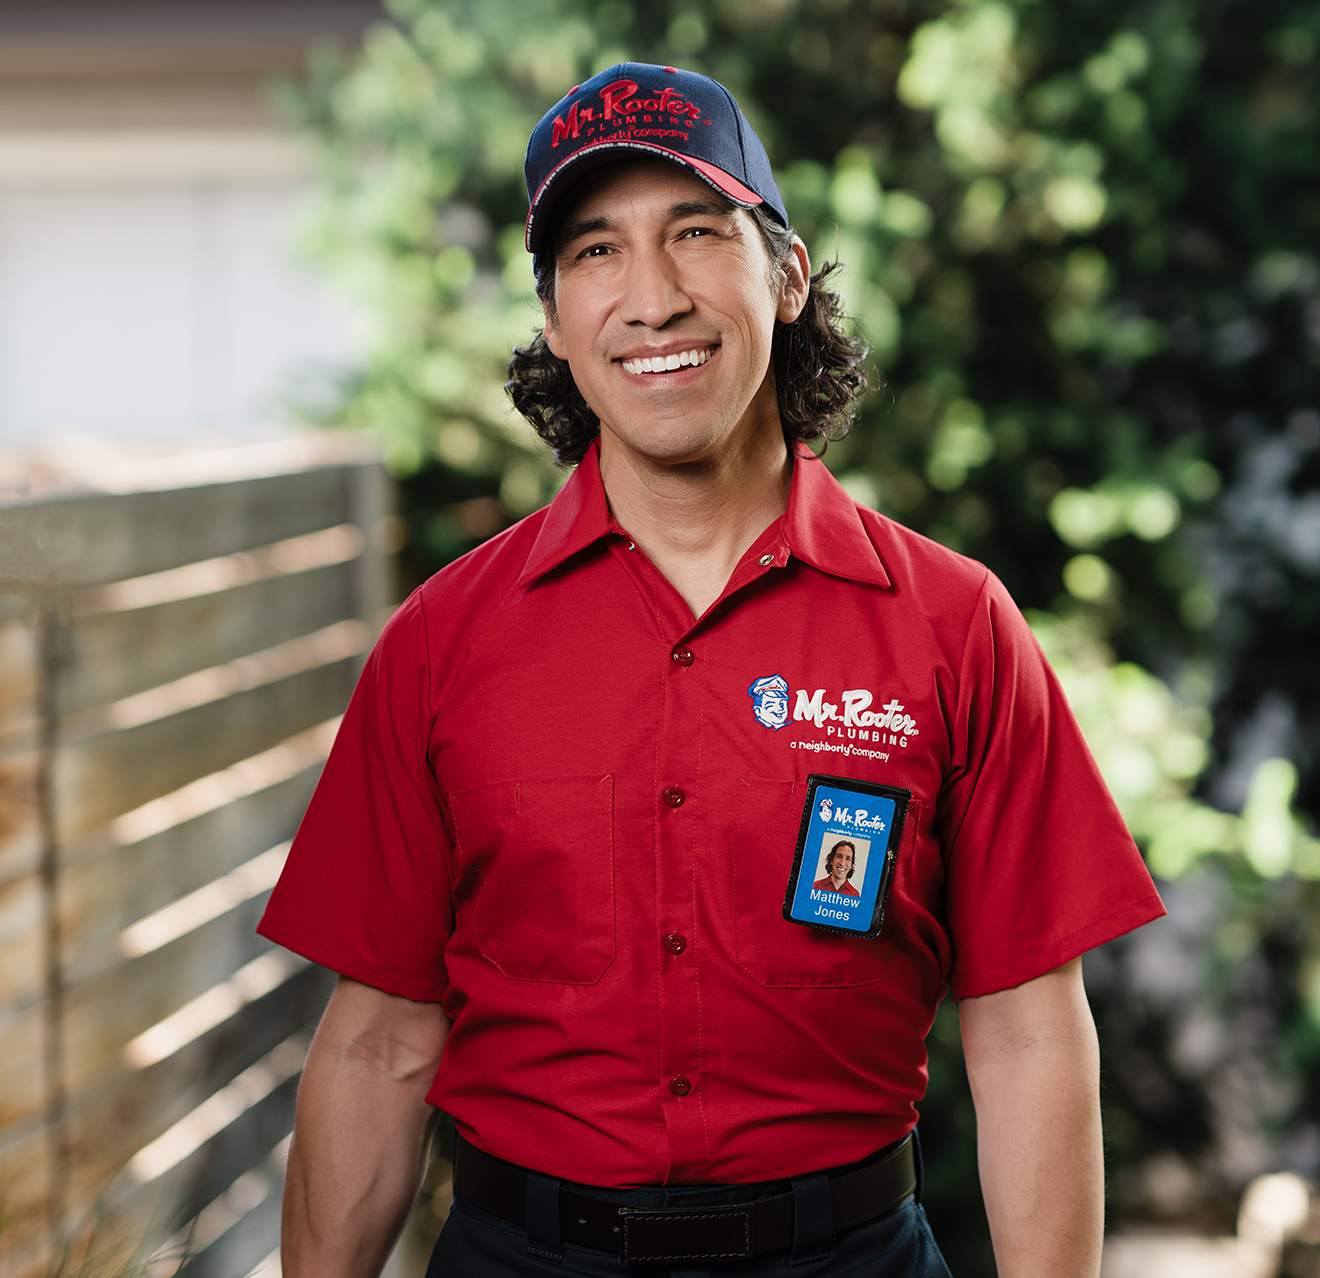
(634, 1070)
(838, 870)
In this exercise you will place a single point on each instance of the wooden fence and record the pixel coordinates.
(173, 659)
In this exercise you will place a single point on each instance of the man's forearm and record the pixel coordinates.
(1033, 1064)
(362, 1133)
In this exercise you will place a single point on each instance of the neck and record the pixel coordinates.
(696, 520)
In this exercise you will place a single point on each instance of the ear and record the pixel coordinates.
(797, 283)
(552, 336)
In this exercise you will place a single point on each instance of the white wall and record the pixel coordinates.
(152, 306)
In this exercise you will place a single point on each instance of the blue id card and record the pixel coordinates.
(844, 863)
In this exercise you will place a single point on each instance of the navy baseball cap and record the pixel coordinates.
(635, 109)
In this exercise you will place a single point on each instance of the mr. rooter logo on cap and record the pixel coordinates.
(620, 105)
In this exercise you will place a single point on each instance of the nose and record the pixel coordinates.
(653, 291)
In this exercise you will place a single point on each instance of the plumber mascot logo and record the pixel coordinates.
(770, 701)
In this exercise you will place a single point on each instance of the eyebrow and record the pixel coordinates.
(714, 207)
(701, 208)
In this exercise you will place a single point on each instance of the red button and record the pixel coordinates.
(679, 1085)
(674, 797)
(682, 655)
(675, 943)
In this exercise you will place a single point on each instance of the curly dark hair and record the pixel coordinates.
(817, 365)
(834, 851)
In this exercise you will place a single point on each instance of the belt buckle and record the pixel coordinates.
(667, 1235)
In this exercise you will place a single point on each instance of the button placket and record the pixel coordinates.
(679, 971)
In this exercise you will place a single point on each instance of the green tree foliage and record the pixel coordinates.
(1081, 243)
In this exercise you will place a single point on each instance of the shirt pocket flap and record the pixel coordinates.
(536, 872)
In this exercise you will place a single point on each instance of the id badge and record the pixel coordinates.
(844, 863)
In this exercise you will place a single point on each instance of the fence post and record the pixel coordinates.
(52, 624)
(372, 499)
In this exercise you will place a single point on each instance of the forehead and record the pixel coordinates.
(626, 188)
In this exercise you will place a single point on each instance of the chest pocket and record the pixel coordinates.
(537, 874)
(772, 950)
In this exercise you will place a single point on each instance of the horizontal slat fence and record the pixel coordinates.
(173, 661)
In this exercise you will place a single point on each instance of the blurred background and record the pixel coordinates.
(147, 188)
(1083, 243)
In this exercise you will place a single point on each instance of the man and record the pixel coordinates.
(634, 1072)
(839, 870)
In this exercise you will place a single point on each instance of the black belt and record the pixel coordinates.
(717, 1231)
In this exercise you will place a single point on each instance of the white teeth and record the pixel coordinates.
(666, 363)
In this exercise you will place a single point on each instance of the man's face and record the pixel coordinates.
(842, 863)
(665, 305)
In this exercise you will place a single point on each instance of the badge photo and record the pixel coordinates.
(844, 861)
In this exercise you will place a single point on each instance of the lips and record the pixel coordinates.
(668, 363)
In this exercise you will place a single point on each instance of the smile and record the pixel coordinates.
(667, 363)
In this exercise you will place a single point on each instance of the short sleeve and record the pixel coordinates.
(1040, 864)
(365, 889)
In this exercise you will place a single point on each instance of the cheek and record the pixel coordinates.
(760, 330)
(574, 334)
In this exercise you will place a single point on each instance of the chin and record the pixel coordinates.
(673, 448)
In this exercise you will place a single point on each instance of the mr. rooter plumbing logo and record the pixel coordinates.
(850, 717)
(621, 111)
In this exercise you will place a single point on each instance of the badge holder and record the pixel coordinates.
(843, 867)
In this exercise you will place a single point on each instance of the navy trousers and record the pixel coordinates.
(476, 1244)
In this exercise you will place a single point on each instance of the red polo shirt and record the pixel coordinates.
(827, 885)
(555, 807)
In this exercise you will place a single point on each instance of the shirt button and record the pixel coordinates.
(682, 655)
(679, 1085)
(674, 797)
(675, 943)
(767, 560)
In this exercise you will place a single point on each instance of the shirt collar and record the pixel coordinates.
(578, 516)
(822, 526)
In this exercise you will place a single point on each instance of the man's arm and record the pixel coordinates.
(1034, 1065)
(362, 1132)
